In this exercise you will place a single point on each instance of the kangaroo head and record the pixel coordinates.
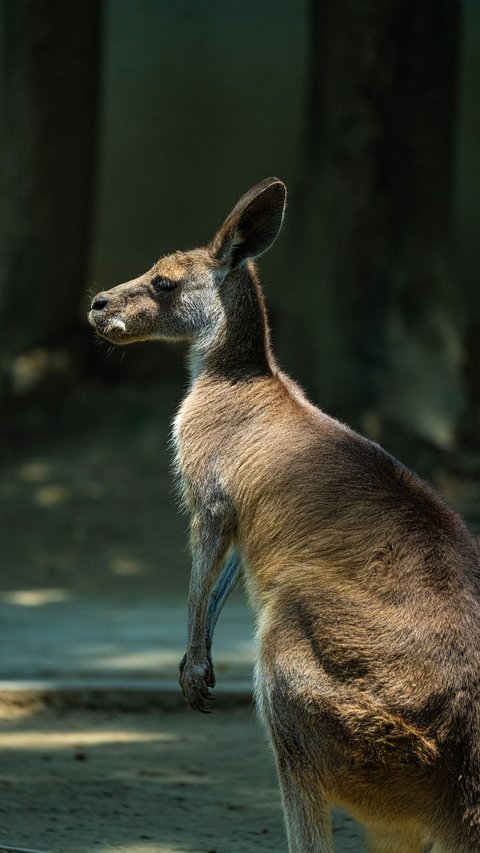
(180, 297)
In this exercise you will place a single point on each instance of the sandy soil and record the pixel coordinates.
(165, 782)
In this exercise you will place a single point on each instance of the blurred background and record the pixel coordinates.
(129, 129)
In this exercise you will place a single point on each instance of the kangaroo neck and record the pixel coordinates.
(238, 347)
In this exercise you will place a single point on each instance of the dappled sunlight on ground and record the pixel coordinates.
(50, 633)
(50, 496)
(143, 783)
(35, 597)
(126, 566)
(36, 471)
(40, 739)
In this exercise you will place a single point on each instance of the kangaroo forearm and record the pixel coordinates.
(223, 587)
(201, 582)
(210, 541)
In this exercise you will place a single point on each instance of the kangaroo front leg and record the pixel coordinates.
(223, 587)
(211, 532)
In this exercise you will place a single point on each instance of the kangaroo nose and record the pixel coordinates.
(99, 302)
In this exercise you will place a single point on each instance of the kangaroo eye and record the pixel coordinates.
(160, 284)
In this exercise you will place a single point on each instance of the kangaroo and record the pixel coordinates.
(365, 584)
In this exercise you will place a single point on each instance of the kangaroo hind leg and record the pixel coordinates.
(391, 841)
(307, 816)
(305, 807)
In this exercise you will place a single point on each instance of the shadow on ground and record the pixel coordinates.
(143, 783)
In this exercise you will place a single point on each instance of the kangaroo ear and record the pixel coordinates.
(253, 224)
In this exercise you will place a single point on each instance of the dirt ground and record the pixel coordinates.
(163, 782)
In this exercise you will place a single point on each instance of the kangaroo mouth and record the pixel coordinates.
(113, 329)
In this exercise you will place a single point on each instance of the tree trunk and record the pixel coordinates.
(50, 64)
(375, 203)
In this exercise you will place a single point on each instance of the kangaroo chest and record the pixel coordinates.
(199, 440)
(217, 434)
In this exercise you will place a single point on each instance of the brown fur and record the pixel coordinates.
(365, 583)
